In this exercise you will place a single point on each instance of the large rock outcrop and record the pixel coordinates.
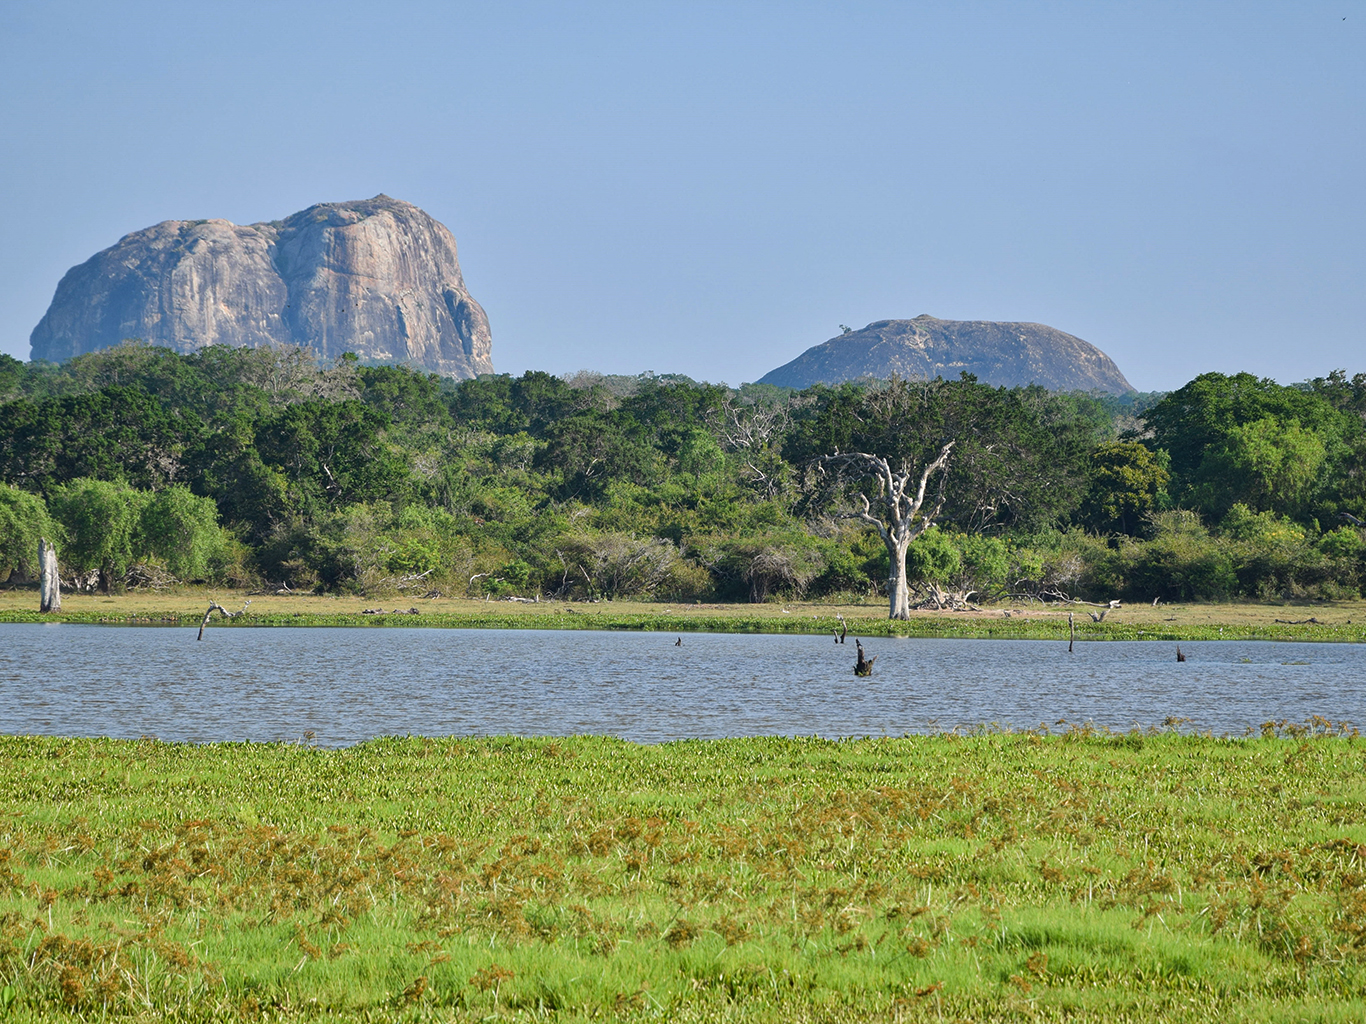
(1000, 354)
(377, 277)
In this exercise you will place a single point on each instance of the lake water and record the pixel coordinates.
(342, 686)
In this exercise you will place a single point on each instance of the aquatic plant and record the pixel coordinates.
(1141, 875)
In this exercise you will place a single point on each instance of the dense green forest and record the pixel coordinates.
(265, 468)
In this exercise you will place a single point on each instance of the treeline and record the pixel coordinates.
(265, 468)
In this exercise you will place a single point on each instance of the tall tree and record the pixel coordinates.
(1127, 478)
(1295, 451)
(900, 509)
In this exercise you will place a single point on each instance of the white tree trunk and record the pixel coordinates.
(49, 582)
(898, 592)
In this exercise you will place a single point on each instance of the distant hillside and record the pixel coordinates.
(1001, 354)
(377, 277)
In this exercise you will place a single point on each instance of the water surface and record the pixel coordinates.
(344, 686)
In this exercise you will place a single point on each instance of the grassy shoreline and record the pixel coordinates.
(1340, 622)
(1081, 876)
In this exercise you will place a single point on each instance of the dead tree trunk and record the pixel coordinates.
(902, 516)
(49, 580)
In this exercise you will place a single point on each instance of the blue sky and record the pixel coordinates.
(713, 188)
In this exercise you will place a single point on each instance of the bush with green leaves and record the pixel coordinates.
(23, 520)
(181, 529)
(101, 522)
(1277, 557)
(1182, 562)
(933, 558)
(1344, 542)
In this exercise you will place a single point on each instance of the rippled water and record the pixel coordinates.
(342, 686)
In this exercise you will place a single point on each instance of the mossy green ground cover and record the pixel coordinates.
(985, 877)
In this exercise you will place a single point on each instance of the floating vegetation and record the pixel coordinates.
(997, 875)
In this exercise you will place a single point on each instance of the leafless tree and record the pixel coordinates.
(900, 516)
(753, 425)
(749, 431)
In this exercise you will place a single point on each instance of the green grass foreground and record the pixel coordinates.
(1077, 876)
(1044, 626)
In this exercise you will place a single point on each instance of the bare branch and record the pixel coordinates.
(937, 464)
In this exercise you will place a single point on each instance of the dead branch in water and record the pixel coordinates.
(214, 606)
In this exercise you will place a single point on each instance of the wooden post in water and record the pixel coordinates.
(1071, 632)
(49, 580)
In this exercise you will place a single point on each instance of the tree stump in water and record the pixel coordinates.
(864, 666)
(49, 581)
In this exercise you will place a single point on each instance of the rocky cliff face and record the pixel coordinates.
(1000, 354)
(377, 277)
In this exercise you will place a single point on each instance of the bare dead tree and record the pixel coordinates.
(901, 515)
(753, 426)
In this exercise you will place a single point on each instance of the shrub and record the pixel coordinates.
(614, 565)
(1182, 562)
(933, 558)
(1344, 542)
(101, 522)
(756, 569)
(182, 530)
(23, 520)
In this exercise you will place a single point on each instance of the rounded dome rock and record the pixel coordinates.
(999, 354)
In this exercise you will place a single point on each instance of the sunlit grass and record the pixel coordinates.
(994, 876)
